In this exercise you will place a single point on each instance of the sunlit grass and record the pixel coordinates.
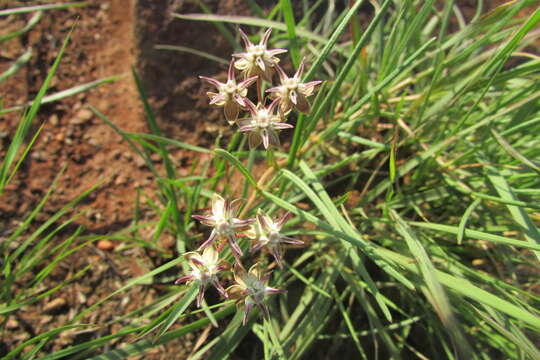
(413, 183)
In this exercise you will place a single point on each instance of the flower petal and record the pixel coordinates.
(273, 138)
(231, 110)
(254, 140)
(210, 240)
(214, 82)
(245, 38)
(265, 37)
(302, 104)
(184, 279)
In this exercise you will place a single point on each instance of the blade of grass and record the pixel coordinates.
(22, 10)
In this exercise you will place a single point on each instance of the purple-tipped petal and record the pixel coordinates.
(247, 128)
(276, 252)
(200, 296)
(245, 38)
(247, 310)
(262, 220)
(273, 105)
(206, 220)
(251, 107)
(235, 247)
(292, 241)
(312, 84)
(230, 72)
(239, 100)
(300, 70)
(264, 310)
(284, 219)
(220, 288)
(237, 223)
(275, 89)
(281, 126)
(214, 82)
(266, 36)
(209, 241)
(196, 261)
(246, 83)
(281, 73)
(184, 279)
(215, 98)
(271, 290)
(275, 52)
(257, 247)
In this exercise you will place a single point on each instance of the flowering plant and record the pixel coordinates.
(257, 64)
(250, 289)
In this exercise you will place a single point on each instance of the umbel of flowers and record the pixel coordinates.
(261, 124)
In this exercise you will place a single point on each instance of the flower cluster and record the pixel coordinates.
(250, 287)
(262, 123)
(258, 63)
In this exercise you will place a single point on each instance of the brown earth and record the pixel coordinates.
(109, 37)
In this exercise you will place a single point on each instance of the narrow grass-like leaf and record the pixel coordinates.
(17, 65)
(435, 292)
(530, 231)
(515, 154)
(188, 50)
(29, 25)
(475, 234)
(179, 309)
(245, 20)
(22, 10)
(288, 15)
(24, 125)
(464, 219)
(64, 93)
(238, 165)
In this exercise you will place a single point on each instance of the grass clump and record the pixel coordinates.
(412, 182)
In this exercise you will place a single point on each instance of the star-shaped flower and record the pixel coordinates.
(263, 124)
(257, 59)
(204, 268)
(266, 233)
(293, 93)
(222, 219)
(230, 94)
(251, 289)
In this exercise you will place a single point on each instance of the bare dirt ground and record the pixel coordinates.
(110, 37)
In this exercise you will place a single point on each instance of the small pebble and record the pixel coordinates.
(105, 245)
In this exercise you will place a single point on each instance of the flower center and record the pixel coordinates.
(290, 83)
(263, 119)
(222, 226)
(273, 237)
(229, 88)
(258, 50)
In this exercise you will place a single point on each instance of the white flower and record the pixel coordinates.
(257, 59)
(293, 93)
(224, 223)
(262, 124)
(251, 289)
(204, 268)
(266, 233)
(230, 95)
